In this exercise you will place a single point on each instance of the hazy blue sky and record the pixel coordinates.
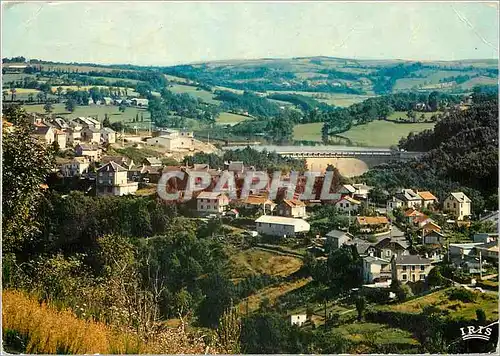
(170, 33)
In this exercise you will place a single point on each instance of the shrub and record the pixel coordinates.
(462, 294)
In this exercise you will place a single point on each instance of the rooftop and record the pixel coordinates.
(426, 195)
(294, 203)
(338, 234)
(412, 260)
(210, 195)
(460, 197)
(281, 220)
(376, 260)
(372, 220)
(112, 167)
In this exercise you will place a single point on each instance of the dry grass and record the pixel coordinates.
(254, 261)
(50, 331)
(487, 301)
(272, 293)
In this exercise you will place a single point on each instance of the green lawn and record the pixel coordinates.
(342, 100)
(382, 133)
(194, 91)
(402, 114)
(379, 334)
(308, 132)
(229, 118)
(95, 111)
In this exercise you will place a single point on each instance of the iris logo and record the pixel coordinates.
(477, 332)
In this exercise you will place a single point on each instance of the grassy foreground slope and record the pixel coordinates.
(31, 327)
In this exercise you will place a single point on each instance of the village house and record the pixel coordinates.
(112, 180)
(409, 198)
(45, 134)
(292, 208)
(211, 202)
(92, 152)
(86, 122)
(433, 238)
(281, 226)
(59, 123)
(298, 319)
(61, 138)
(394, 203)
(259, 202)
(107, 100)
(376, 269)
(428, 199)
(484, 237)
(458, 204)
(372, 224)
(363, 247)
(429, 226)
(74, 135)
(123, 161)
(336, 238)
(487, 250)
(76, 167)
(463, 249)
(347, 204)
(411, 214)
(388, 247)
(361, 190)
(421, 221)
(347, 189)
(173, 140)
(235, 166)
(91, 134)
(139, 102)
(108, 135)
(152, 161)
(410, 268)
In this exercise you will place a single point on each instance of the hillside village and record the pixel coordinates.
(399, 256)
(399, 241)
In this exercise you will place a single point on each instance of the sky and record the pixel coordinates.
(168, 33)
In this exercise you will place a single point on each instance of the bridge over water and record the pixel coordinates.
(350, 161)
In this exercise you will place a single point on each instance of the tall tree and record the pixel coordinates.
(26, 164)
(48, 107)
(70, 105)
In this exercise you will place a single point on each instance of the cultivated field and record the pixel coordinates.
(382, 133)
(308, 132)
(95, 111)
(194, 91)
(226, 118)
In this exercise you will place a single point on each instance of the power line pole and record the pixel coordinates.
(480, 266)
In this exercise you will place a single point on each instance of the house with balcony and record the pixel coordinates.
(376, 269)
(112, 180)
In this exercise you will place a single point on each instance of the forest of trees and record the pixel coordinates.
(265, 161)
